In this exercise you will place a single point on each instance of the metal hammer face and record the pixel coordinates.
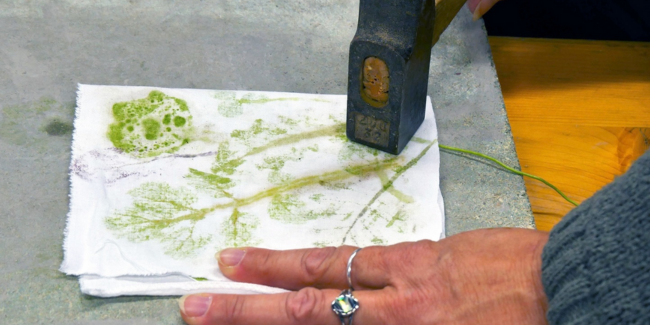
(389, 72)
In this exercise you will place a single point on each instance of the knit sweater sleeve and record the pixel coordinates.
(596, 264)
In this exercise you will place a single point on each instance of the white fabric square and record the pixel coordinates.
(161, 179)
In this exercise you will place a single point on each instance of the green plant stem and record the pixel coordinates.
(338, 175)
(510, 169)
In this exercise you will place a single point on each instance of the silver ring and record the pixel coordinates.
(349, 272)
(344, 306)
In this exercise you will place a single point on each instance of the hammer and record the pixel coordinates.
(389, 68)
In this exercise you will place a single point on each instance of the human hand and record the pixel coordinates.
(489, 276)
(480, 7)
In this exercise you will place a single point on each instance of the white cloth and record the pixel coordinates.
(161, 179)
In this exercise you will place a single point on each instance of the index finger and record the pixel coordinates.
(314, 267)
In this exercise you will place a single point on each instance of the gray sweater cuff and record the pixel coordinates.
(596, 265)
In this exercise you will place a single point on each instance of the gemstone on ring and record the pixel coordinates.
(345, 304)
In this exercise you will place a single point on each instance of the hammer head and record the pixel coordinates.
(389, 72)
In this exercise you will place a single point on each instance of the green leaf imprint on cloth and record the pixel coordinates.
(289, 208)
(211, 183)
(151, 126)
(163, 213)
(231, 106)
(224, 162)
(377, 241)
(399, 171)
(259, 128)
(392, 190)
(399, 216)
(238, 230)
(170, 215)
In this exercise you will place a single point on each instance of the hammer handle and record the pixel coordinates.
(446, 10)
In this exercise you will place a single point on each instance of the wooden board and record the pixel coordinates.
(579, 111)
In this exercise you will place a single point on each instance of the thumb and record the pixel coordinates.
(480, 7)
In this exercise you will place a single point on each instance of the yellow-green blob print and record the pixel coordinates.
(151, 126)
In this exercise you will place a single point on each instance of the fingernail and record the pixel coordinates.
(231, 256)
(195, 305)
(480, 10)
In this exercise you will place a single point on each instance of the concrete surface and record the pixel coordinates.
(47, 47)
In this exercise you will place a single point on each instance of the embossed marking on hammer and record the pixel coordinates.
(372, 130)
